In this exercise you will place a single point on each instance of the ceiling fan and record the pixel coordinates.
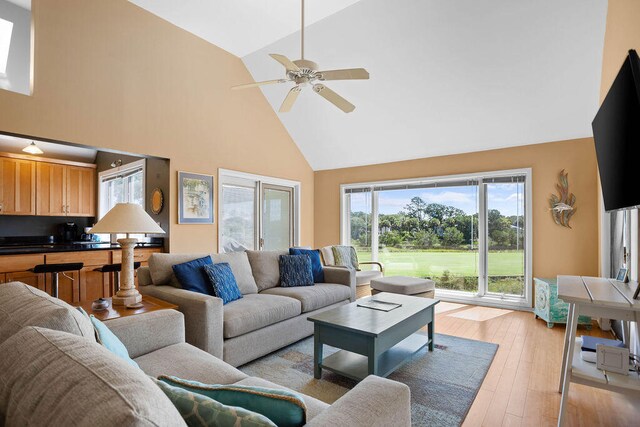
(303, 72)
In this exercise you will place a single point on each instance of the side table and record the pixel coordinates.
(149, 304)
(549, 307)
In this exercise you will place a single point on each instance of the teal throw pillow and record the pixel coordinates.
(110, 341)
(198, 410)
(295, 270)
(223, 281)
(285, 408)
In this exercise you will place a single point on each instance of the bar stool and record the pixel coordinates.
(115, 268)
(56, 269)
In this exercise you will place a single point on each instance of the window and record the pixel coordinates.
(6, 28)
(122, 184)
(470, 234)
(257, 212)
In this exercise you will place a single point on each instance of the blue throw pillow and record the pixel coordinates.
(316, 264)
(192, 277)
(295, 270)
(110, 341)
(223, 282)
(285, 408)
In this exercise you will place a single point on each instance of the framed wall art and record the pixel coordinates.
(195, 198)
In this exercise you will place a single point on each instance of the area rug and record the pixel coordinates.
(443, 383)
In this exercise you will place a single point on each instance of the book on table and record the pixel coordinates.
(376, 304)
(590, 343)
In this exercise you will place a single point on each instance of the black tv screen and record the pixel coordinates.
(616, 131)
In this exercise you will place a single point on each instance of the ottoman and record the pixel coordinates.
(404, 285)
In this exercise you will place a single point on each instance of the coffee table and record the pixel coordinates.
(372, 341)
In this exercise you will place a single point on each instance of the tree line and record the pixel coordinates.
(421, 225)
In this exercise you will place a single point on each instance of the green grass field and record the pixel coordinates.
(423, 263)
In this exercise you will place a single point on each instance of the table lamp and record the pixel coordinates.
(127, 218)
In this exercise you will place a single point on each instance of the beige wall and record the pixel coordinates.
(109, 74)
(556, 250)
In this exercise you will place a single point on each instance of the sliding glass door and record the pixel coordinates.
(468, 234)
(257, 213)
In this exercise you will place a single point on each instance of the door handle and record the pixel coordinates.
(261, 243)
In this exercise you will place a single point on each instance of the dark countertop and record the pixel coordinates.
(66, 247)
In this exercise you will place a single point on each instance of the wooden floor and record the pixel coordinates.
(521, 387)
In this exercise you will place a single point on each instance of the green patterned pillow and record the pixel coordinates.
(283, 407)
(198, 410)
(345, 256)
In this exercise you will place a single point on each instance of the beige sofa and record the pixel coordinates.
(54, 373)
(268, 317)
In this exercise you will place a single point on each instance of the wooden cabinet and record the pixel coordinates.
(65, 190)
(17, 187)
(549, 307)
(87, 284)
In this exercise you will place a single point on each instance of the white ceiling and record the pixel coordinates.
(241, 26)
(447, 77)
(25, 4)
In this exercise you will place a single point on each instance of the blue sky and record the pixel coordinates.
(507, 198)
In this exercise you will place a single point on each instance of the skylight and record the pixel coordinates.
(6, 28)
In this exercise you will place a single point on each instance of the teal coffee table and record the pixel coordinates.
(373, 342)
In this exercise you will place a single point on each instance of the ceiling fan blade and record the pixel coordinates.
(333, 98)
(288, 64)
(290, 99)
(348, 74)
(266, 82)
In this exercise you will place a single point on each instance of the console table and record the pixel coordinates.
(595, 297)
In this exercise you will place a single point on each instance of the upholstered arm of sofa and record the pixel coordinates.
(202, 315)
(342, 276)
(373, 402)
(149, 332)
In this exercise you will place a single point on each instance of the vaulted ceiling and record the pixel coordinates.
(446, 76)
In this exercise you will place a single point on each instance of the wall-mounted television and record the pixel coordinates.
(616, 131)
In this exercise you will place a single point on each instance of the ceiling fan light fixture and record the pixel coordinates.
(32, 149)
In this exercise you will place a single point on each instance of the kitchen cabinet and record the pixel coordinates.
(73, 287)
(17, 187)
(65, 190)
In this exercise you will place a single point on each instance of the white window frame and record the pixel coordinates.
(481, 298)
(119, 170)
(232, 177)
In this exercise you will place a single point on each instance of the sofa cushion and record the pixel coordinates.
(363, 277)
(256, 311)
(295, 270)
(316, 262)
(223, 282)
(241, 268)
(186, 361)
(55, 378)
(199, 410)
(314, 406)
(345, 256)
(265, 267)
(161, 267)
(192, 276)
(313, 297)
(23, 305)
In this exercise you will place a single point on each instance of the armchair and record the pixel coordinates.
(363, 277)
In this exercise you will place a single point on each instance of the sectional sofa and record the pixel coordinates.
(53, 372)
(266, 318)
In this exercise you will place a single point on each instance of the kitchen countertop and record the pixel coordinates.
(66, 247)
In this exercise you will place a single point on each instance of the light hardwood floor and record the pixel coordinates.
(521, 387)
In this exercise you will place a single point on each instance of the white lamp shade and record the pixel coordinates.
(127, 218)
